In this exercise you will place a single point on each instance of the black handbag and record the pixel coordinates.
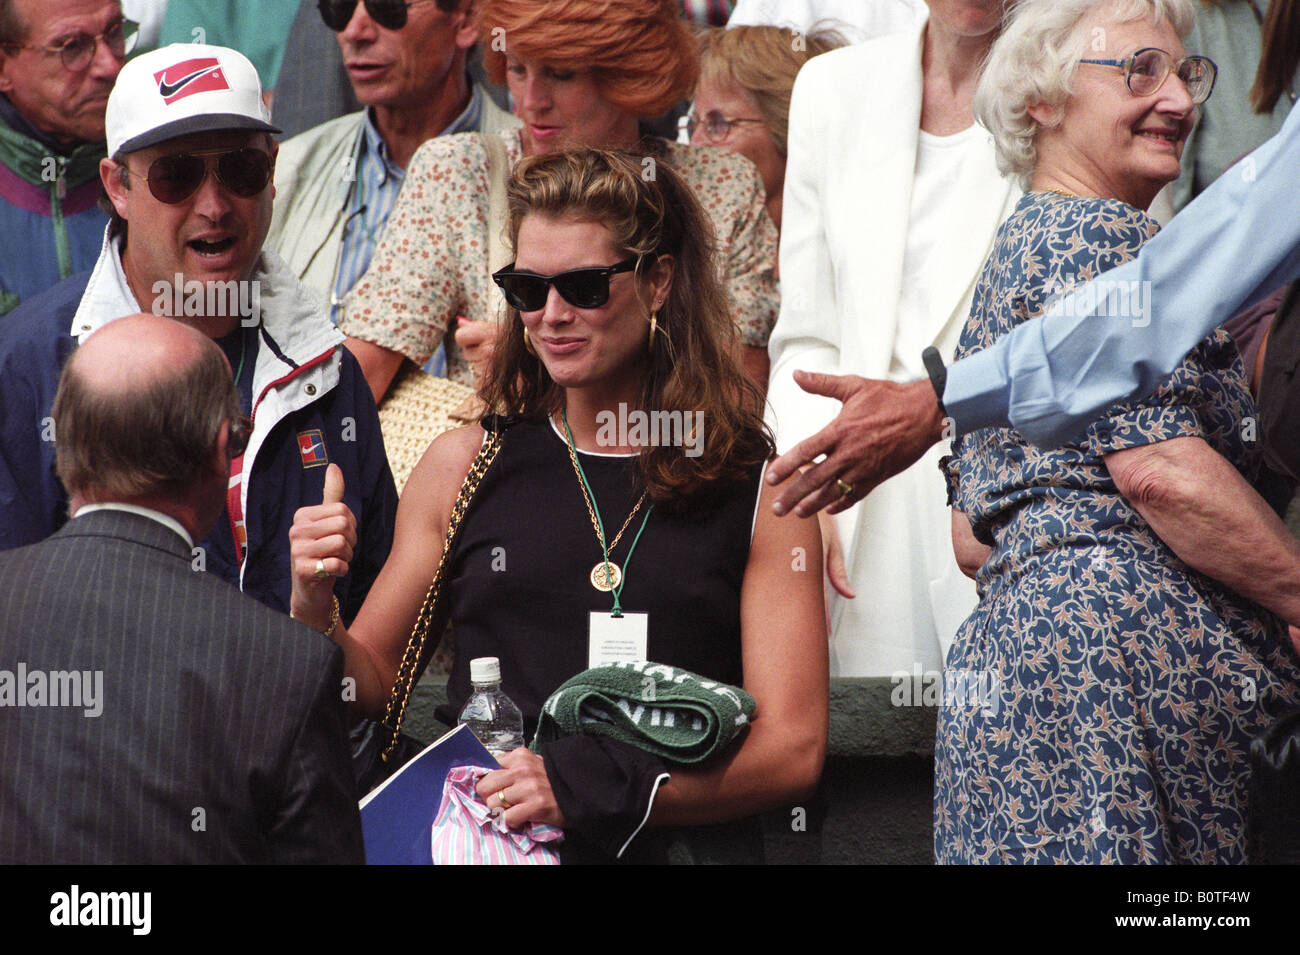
(379, 747)
(430, 623)
(368, 739)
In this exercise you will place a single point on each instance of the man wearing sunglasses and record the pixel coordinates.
(189, 184)
(58, 62)
(407, 65)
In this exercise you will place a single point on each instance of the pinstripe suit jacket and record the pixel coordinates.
(220, 735)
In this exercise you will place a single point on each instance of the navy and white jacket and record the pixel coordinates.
(310, 405)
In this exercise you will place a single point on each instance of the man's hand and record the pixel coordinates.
(882, 429)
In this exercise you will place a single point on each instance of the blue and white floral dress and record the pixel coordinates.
(1103, 695)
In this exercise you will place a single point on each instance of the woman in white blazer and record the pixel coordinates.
(892, 199)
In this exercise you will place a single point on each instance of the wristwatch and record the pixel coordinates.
(933, 362)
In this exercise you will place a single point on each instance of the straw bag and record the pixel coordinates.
(418, 408)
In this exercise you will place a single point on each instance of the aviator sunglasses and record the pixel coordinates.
(389, 14)
(175, 178)
(582, 288)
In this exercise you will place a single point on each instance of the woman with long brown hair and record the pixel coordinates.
(617, 319)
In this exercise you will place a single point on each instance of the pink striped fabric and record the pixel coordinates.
(465, 832)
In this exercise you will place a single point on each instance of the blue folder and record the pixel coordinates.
(397, 818)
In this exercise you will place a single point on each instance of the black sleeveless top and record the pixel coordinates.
(518, 581)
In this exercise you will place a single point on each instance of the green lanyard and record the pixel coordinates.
(591, 496)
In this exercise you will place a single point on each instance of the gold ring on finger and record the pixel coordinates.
(505, 803)
(321, 572)
(845, 489)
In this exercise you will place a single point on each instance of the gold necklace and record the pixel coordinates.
(606, 575)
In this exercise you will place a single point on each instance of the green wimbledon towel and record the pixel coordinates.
(675, 714)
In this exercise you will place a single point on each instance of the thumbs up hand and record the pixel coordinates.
(333, 485)
(321, 543)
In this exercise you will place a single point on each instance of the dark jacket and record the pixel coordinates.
(305, 383)
(164, 717)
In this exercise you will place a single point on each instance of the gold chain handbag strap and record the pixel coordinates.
(413, 657)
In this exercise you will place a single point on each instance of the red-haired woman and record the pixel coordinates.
(580, 72)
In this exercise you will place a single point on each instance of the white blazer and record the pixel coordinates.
(854, 131)
(855, 20)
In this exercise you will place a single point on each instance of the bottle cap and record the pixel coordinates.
(485, 670)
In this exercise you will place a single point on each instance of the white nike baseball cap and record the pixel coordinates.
(181, 89)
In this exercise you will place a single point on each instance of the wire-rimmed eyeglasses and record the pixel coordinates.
(78, 51)
(1147, 69)
(716, 126)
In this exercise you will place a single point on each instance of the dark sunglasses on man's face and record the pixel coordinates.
(175, 178)
(389, 14)
(582, 288)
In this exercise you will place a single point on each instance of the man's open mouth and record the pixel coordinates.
(212, 246)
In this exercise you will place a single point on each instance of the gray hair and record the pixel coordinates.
(1034, 61)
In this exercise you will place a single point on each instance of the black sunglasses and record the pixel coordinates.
(583, 288)
(175, 178)
(389, 14)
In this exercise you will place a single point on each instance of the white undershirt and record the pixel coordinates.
(938, 163)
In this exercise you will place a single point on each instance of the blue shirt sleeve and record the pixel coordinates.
(1119, 335)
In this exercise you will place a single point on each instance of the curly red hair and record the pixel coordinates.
(641, 51)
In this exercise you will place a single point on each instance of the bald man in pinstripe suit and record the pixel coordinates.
(148, 712)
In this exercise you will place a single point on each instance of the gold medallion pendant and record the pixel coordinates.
(606, 582)
(606, 576)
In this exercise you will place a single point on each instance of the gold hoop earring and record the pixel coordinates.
(529, 345)
(654, 324)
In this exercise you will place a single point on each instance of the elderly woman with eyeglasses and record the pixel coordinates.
(1129, 642)
(743, 99)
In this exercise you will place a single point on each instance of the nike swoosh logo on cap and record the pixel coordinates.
(169, 89)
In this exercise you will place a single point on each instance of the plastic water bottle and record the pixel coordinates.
(489, 713)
